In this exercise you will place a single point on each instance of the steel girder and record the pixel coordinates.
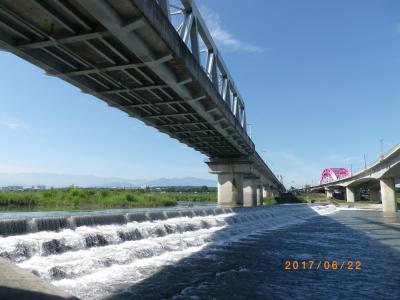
(128, 54)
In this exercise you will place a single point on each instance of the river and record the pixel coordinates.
(216, 254)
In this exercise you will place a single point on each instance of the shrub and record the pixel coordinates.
(130, 198)
(105, 193)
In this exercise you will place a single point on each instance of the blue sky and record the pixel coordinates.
(321, 82)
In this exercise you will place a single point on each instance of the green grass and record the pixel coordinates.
(75, 198)
(285, 198)
(269, 201)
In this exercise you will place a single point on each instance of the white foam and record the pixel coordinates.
(362, 208)
(324, 209)
(90, 272)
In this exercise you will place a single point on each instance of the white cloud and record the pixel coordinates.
(11, 125)
(224, 38)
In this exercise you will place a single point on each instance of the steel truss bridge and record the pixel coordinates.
(154, 60)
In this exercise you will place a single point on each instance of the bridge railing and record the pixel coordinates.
(188, 22)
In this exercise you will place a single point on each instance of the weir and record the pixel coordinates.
(71, 252)
(30, 225)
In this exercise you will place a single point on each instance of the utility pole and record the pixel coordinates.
(351, 169)
(381, 141)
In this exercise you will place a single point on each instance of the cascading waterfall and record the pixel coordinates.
(83, 254)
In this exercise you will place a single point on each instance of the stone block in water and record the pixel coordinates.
(156, 215)
(137, 217)
(173, 214)
(218, 211)
(187, 213)
(99, 220)
(209, 212)
(51, 224)
(13, 227)
(199, 212)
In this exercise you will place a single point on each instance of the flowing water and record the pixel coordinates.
(209, 253)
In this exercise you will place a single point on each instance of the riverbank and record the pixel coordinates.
(87, 199)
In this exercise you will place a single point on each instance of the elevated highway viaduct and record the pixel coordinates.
(133, 56)
(380, 178)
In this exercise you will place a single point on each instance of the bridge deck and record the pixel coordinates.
(129, 55)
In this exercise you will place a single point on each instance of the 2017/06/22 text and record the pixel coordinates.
(300, 265)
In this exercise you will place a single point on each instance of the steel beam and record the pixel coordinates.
(65, 40)
(134, 51)
(135, 89)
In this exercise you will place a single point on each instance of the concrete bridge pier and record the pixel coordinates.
(237, 183)
(329, 193)
(350, 194)
(250, 187)
(260, 198)
(266, 190)
(388, 194)
(240, 182)
(230, 189)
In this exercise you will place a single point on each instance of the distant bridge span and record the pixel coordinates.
(379, 178)
(130, 55)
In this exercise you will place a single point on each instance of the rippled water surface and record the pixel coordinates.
(237, 255)
(253, 268)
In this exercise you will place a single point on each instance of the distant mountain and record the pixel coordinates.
(63, 180)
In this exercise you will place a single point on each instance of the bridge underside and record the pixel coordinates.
(128, 54)
(112, 51)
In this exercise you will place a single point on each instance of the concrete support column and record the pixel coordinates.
(250, 191)
(329, 194)
(267, 191)
(350, 194)
(374, 195)
(388, 195)
(230, 189)
(264, 192)
(237, 181)
(260, 199)
(230, 174)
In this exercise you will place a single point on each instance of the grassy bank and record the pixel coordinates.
(75, 198)
(286, 198)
